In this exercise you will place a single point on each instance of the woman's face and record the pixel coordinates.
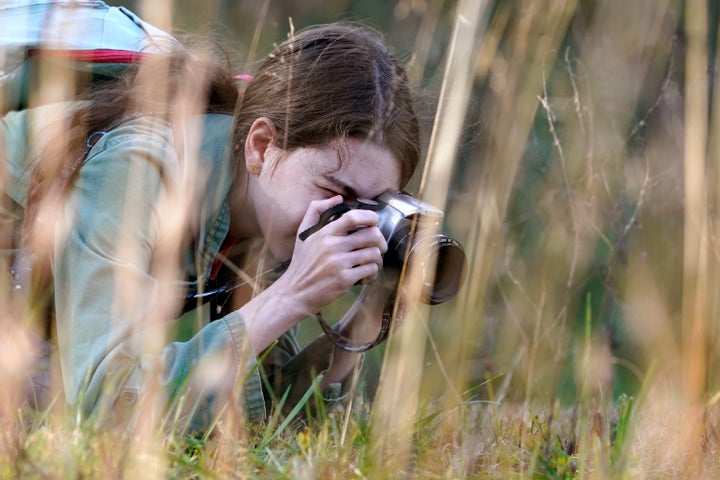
(288, 181)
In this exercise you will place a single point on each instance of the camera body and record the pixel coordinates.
(411, 228)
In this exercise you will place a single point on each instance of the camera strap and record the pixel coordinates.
(344, 343)
(337, 334)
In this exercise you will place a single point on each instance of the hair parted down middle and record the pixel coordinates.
(333, 81)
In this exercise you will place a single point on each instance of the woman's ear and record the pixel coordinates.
(261, 135)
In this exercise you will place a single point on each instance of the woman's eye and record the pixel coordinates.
(329, 192)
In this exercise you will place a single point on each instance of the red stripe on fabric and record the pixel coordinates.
(93, 56)
(224, 250)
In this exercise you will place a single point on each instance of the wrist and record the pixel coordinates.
(270, 315)
(289, 297)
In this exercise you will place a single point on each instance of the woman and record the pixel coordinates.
(327, 118)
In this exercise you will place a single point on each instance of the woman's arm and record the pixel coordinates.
(107, 297)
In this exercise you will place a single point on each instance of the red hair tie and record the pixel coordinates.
(243, 77)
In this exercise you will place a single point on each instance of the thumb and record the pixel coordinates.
(317, 208)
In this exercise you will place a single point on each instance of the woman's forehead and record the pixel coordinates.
(361, 164)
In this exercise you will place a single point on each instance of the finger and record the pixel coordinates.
(364, 257)
(352, 220)
(366, 264)
(366, 238)
(315, 209)
(363, 274)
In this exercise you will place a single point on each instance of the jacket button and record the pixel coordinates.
(128, 397)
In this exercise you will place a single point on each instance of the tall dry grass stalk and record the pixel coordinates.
(696, 244)
(400, 380)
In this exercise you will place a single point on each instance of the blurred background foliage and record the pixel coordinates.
(573, 143)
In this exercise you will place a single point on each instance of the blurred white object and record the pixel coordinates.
(97, 36)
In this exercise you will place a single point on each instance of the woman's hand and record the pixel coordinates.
(329, 262)
(324, 267)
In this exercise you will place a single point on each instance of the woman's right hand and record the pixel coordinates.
(324, 267)
(329, 262)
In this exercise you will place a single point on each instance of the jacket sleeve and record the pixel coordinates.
(110, 330)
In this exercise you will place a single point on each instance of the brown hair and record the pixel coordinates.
(333, 81)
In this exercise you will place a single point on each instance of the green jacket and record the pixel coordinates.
(109, 339)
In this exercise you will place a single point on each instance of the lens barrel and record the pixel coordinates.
(440, 260)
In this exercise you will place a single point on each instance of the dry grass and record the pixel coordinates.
(575, 150)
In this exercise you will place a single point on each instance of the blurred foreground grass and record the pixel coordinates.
(628, 439)
(575, 150)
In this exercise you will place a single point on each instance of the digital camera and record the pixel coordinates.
(411, 228)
